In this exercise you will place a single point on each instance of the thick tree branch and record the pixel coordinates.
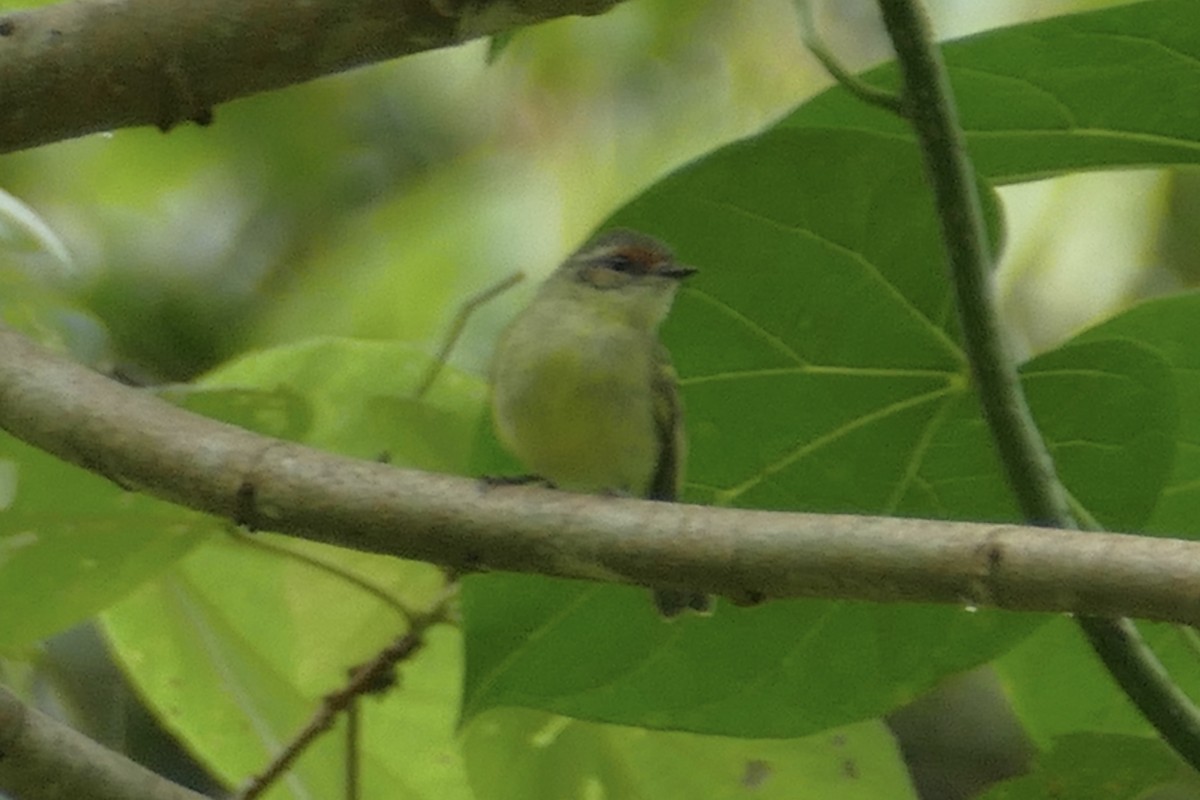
(147, 444)
(93, 65)
(1040, 494)
(41, 757)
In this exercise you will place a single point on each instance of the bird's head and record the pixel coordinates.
(628, 272)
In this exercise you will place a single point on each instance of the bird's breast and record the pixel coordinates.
(576, 407)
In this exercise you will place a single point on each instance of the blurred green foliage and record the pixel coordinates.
(369, 203)
(297, 261)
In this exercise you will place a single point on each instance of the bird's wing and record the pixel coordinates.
(668, 421)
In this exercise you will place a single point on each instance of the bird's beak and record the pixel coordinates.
(678, 271)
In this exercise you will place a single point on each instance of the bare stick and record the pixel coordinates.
(372, 677)
(456, 328)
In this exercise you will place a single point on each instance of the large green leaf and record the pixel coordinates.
(1101, 767)
(1171, 326)
(72, 543)
(823, 375)
(821, 371)
(1056, 684)
(1108, 89)
(785, 669)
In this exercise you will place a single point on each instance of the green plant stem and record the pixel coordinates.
(872, 95)
(1023, 454)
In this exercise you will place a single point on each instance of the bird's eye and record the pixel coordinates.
(623, 263)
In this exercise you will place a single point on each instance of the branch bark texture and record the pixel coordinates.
(94, 65)
(147, 444)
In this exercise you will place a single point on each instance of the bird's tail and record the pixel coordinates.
(673, 602)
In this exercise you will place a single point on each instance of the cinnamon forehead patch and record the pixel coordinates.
(649, 257)
(627, 252)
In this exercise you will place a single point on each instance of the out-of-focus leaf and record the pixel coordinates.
(23, 231)
(361, 399)
(1100, 767)
(72, 543)
(514, 754)
(237, 646)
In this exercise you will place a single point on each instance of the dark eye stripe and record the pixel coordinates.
(623, 263)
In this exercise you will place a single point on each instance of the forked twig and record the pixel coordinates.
(371, 677)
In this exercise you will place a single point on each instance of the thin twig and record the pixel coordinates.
(371, 677)
(383, 596)
(1024, 455)
(1025, 458)
(872, 95)
(364, 678)
(456, 328)
(352, 752)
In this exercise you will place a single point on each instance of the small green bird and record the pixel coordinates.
(583, 391)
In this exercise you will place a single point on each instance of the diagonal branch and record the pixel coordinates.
(75, 68)
(41, 757)
(146, 444)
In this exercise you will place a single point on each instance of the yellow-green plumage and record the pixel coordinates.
(575, 405)
(583, 392)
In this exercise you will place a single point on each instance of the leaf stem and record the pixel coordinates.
(869, 94)
(1026, 461)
